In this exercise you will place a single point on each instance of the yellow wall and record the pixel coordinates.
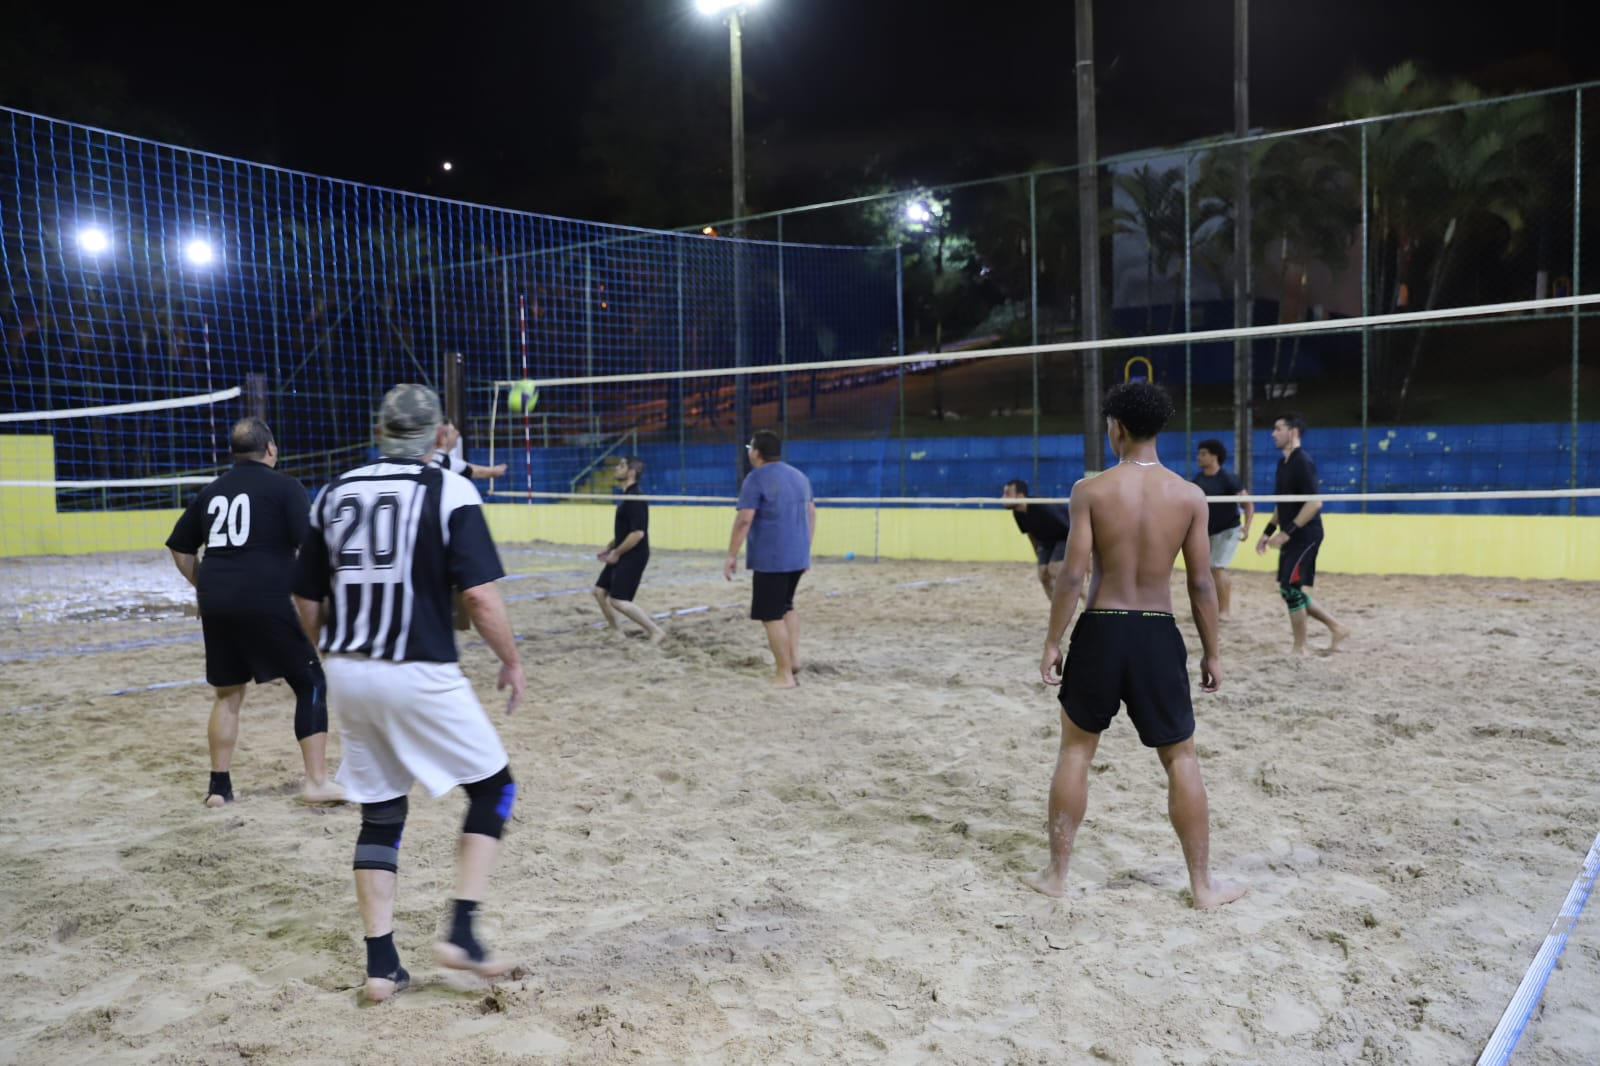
(29, 524)
(1480, 545)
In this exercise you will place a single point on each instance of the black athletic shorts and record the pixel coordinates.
(1297, 559)
(1132, 657)
(254, 645)
(621, 578)
(772, 596)
(1051, 551)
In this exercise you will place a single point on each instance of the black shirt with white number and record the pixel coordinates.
(249, 521)
(1297, 476)
(389, 543)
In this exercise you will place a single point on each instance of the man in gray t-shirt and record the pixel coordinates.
(778, 515)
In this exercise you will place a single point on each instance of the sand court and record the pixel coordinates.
(702, 870)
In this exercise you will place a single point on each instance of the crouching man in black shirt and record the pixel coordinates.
(1047, 526)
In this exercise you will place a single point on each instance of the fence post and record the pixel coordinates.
(680, 387)
(1033, 308)
(783, 342)
(1366, 308)
(1188, 318)
(900, 349)
(1577, 260)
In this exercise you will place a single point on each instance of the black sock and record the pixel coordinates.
(382, 959)
(461, 929)
(221, 784)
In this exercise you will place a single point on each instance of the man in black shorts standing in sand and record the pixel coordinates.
(251, 521)
(1046, 525)
(627, 555)
(1297, 534)
(1128, 526)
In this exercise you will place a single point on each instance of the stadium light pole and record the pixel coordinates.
(735, 9)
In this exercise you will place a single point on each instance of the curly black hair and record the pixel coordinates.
(1142, 408)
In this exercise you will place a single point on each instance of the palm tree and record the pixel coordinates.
(1432, 178)
(1155, 217)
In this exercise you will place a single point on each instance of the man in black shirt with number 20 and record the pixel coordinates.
(250, 521)
(1297, 534)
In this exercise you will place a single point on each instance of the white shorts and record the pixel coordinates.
(1223, 545)
(407, 722)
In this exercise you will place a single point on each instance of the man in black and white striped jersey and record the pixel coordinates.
(389, 544)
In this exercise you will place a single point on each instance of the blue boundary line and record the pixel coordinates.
(1515, 1019)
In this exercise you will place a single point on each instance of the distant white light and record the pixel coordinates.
(449, 165)
(93, 240)
(713, 7)
(918, 212)
(199, 252)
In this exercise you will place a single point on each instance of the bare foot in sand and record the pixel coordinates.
(1046, 881)
(216, 802)
(1298, 649)
(455, 957)
(327, 792)
(784, 682)
(378, 989)
(1217, 894)
(658, 635)
(1339, 635)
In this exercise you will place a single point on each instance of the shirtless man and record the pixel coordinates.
(1129, 524)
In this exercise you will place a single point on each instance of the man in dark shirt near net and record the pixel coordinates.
(1047, 526)
(627, 555)
(1297, 534)
(1223, 528)
(250, 521)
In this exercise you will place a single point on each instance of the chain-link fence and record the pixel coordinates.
(1457, 203)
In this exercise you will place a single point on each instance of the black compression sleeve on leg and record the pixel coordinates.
(310, 700)
(489, 804)
(378, 844)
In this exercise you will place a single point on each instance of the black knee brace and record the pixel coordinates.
(378, 845)
(489, 804)
(310, 700)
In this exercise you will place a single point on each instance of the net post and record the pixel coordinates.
(255, 391)
(454, 367)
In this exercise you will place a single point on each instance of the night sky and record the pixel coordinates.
(572, 108)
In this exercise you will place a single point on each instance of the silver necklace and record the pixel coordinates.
(1135, 462)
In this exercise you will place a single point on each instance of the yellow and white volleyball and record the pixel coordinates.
(523, 398)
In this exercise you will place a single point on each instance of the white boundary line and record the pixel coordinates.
(1515, 1019)
(123, 408)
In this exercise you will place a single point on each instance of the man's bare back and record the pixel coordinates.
(1140, 518)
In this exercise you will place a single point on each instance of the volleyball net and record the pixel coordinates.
(1491, 430)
